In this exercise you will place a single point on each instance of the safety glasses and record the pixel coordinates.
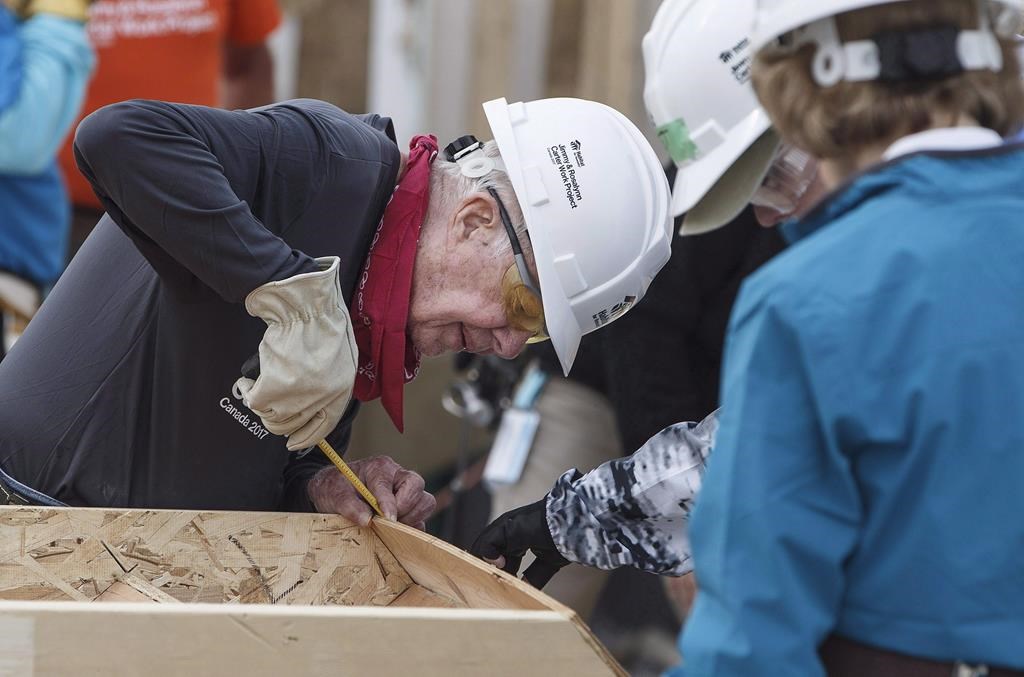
(520, 258)
(790, 176)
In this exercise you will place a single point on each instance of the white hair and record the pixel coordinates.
(452, 187)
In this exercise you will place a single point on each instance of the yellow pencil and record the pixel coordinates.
(340, 464)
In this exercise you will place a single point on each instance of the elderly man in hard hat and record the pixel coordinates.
(303, 232)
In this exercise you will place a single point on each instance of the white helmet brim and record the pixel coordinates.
(731, 194)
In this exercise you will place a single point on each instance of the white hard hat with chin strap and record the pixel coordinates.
(697, 57)
(928, 52)
(596, 205)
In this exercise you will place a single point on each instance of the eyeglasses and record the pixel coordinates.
(789, 178)
(520, 258)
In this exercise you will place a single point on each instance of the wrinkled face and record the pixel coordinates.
(456, 302)
(480, 328)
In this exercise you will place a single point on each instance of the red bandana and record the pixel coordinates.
(380, 312)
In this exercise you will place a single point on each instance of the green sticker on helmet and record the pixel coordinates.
(676, 138)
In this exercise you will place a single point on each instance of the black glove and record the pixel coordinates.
(517, 531)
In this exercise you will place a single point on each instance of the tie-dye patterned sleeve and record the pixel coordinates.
(634, 511)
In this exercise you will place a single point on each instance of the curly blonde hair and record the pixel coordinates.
(839, 122)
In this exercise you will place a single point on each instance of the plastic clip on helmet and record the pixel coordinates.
(697, 57)
(596, 205)
(790, 24)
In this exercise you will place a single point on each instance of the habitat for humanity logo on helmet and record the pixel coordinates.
(615, 312)
(567, 164)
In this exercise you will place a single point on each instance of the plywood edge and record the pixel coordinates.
(480, 585)
(125, 638)
(443, 568)
(598, 648)
(200, 609)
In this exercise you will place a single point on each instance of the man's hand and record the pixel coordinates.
(505, 540)
(398, 491)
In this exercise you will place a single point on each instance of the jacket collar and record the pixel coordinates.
(875, 180)
(945, 139)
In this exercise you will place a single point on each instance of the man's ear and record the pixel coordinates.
(476, 216)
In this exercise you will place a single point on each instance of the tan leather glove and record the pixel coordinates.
(308, 356)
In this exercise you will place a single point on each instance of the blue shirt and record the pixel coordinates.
(11, 64)
(45, 64)
(867, 476)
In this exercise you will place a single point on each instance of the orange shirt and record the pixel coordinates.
(172, 50)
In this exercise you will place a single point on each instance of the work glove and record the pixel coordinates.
(506, 540)
(308, 356)
(76, 10)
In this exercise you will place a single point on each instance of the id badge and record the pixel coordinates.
(511, 447)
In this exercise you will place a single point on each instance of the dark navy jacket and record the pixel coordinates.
(119, 393)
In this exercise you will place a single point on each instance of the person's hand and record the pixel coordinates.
(398, 491)
(681, 591)
(506, 540)
(308, 356)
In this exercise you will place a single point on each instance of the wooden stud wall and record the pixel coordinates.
(333, 53)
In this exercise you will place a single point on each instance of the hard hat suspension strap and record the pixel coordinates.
(930, 53)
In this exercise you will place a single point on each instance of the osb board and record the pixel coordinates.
(446, 570)
(54, 639)
(266, 561)
(442, 569)
(167, 556)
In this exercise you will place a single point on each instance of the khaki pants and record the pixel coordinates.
(577, 430)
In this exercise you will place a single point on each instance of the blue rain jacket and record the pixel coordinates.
(10, 58)
(45, 64)
(868, 476)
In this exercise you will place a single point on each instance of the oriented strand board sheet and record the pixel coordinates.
(202, 593)
(221, 557)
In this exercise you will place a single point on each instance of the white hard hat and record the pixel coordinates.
(596, 204)
(775, 18)
(812, 22)
(697, 57)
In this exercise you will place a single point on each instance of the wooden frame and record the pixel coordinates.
(266, 594)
